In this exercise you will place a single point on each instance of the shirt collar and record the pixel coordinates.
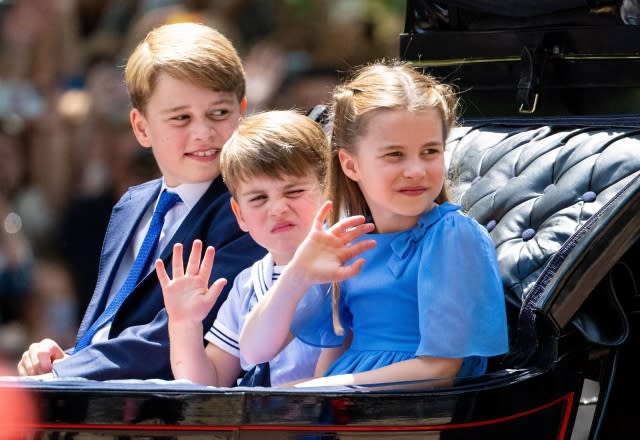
(190, 193)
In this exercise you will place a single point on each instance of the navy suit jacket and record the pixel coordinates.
(138, 344)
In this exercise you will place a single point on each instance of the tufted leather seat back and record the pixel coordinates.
(535, 186)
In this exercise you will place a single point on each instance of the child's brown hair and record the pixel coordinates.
(274, 144)
(186, 51)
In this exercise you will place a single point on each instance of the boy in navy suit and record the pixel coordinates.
(187, 90)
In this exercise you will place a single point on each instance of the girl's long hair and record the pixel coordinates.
(384, 85)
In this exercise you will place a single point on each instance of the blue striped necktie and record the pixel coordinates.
(142, 261)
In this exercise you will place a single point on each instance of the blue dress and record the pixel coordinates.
(433, 290)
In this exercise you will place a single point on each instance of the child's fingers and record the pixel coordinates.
(207, 262)
(348, 222)
(321, 215)
(193, 265)
(356, 249)
(214, 291)
(176, 261)
(162, 274)
(349, 271)
(354, 232)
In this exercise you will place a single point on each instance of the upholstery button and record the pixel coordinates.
(528, 234)
(589, 196)
(549, 187)
(491, 225)
(475, 180)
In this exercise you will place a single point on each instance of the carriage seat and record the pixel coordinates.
(549, 192)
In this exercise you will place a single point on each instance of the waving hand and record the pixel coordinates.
(188, 297)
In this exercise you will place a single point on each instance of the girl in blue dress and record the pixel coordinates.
(416, 294)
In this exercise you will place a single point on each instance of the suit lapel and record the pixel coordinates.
(124, 220)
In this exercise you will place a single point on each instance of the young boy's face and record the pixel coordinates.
(278, 213)
(186, 126)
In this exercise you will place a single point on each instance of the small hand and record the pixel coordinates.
(188, 297)
(323, 255)
(39, 358)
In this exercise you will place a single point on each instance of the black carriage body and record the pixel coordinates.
(174, 411)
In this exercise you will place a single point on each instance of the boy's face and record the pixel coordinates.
(186, 126)
(278, 213)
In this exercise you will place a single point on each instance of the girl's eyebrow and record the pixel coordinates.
(434, 143)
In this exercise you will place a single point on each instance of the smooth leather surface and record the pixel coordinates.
(534, 186)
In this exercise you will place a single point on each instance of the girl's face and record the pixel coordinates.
(399, 165)
(186, 126)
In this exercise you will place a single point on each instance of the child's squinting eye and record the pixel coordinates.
(257, 199)
(294, 192)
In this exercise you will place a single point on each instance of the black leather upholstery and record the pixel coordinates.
(534, 186)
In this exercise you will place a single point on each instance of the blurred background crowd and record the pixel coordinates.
(66, 150)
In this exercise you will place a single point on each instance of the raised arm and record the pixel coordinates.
(188, 300)
(320, 258)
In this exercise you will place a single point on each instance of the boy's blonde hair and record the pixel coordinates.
(274, 144)
(185, 51)
(384, 85)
